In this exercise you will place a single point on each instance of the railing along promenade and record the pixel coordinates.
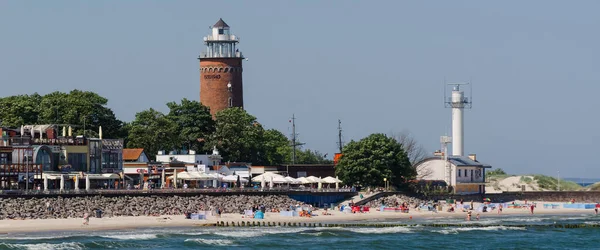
(170, 191)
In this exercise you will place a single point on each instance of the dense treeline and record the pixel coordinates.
(188, 125)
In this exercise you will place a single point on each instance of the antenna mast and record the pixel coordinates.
(294, 142)
(340, 144)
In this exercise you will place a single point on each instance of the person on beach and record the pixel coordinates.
(500, 209)
(469, 215)
(597, 207)
(86, 219)
(531, 207)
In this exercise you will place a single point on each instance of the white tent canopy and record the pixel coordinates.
(314, 179)
(280, 179)
(303, 180)
(267, 176)
(234, 178)
(331, 180)
(291, 180)
(194, 176)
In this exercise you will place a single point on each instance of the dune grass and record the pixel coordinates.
(551, 183)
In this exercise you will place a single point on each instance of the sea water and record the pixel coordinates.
(504, 232)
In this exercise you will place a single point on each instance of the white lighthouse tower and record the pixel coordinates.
(458, 102)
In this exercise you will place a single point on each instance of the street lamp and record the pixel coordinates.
(385, 184)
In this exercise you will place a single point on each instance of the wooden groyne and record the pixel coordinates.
(386, 225)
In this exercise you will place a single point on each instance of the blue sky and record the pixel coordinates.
(379, 66)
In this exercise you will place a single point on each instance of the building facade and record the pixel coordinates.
(221, 70)
(37, 153)
(467, 175)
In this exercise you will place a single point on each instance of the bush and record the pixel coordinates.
(496, 172)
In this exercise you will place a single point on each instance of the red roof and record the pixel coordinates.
(132, 154)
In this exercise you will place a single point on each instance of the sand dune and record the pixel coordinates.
(513, 184)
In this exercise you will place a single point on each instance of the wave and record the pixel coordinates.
(213, 242)
(130, 236)
(382, 230)
(39, 246)
(467, 229)
(248, 233)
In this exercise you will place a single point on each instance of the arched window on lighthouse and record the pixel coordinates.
(229, 87)
(230, 101)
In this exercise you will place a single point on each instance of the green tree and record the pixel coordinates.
(152, 131)
(277, 147)
(238, 136)
(308, 156)
(19, 110)
(368, 161)
(77, 108)
(194, 121)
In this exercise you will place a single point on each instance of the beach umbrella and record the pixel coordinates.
(320, 185)
(22, 130)
(279, 179)
(45, 182)
(70, 131)
(330, 180)
(262, 183)
(87, 182)
(337, 184)
(100, 134)
(291, 179)
(76, 182)
(314, 179)
(64, 132)
(302, 180)
(62, 182)
(267, 175)
(32, 130)
(271, 183)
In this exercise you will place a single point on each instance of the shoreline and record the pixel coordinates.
(9, 227)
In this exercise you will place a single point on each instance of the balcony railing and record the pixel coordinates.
(221, 55)
(224, 38)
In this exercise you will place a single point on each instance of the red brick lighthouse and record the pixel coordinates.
(221, 70)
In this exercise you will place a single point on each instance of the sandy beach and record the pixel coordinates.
(125, 223)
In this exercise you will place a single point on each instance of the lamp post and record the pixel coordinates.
(385, 184)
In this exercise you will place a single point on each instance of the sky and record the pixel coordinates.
(378, 66)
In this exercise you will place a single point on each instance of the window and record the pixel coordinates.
(226, 70)
(466, 175)
(221, 32)
(78, 161)
(230, 101)
(471, 172)
(4, 158)
(459, 171)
